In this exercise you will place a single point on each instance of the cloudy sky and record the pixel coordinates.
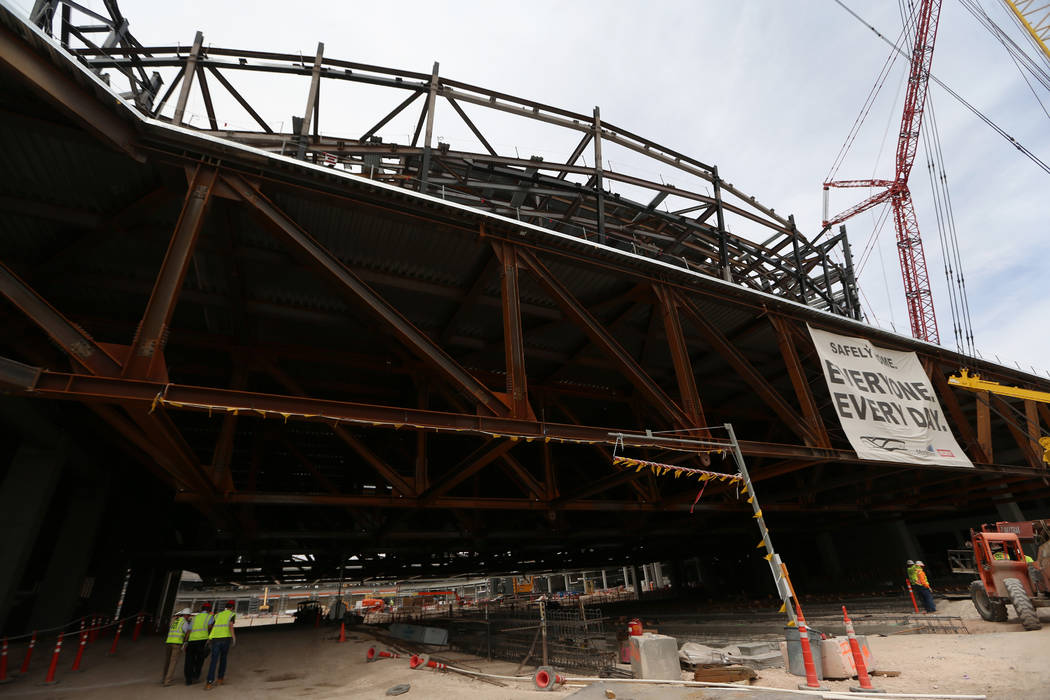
(765, 89)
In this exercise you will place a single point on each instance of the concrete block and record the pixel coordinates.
(756, 648)
(655, 656)
(837, 657)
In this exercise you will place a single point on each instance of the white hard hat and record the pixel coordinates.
(184, 611)
(910, 562)
(919, 563)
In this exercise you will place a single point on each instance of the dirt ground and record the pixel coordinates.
(1000, 660)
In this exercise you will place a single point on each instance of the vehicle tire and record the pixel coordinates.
(988, 609)
(1035, 575)
(1022, 604)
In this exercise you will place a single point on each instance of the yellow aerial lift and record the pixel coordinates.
(974, 383)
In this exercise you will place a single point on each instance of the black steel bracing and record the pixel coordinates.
(570, 197)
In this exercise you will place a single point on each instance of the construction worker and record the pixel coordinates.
(222, 638)
(922, 585)
(200, 627)
(175, 643)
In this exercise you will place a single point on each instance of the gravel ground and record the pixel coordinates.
(997, 659)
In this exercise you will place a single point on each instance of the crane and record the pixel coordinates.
(909, 243)
(1034, 16)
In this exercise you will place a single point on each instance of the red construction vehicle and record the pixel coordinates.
(1006, 575)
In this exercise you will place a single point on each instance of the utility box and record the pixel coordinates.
(791, 648)
(655, 656)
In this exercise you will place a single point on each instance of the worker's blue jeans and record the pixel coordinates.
(219, 649)
(925, 593)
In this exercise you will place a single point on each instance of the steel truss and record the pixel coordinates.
(571, 196)
(530, 441)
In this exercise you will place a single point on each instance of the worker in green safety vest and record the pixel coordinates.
(222, 638)
(200, 628)
(175, 643)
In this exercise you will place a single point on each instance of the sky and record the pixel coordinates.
(767, 90)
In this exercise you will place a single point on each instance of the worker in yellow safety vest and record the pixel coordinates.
(921, 584)
(222, 638)
(175, 643)
(200, 627)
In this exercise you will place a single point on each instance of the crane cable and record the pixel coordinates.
(951, 259)
(980, 115)
(865, 109)
(1015, 52)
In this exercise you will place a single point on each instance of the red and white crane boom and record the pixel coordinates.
(909, 243)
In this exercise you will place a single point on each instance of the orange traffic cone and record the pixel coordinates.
(912, 594)
(342, 632)
(807, 655)
(858, 659)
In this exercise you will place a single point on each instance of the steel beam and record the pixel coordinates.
(351, 285)
(76, 343)
(467, 467)
(717, 341)
(312, 98)
(240, 99)
(60, 89)
(633, 372)
(31, 381)
(1020, 436)
(147, 349)
(188, 72)
(524, 504)
(513, 340)
(799, 382)
(962, 424)
(424, 169)
(683, 366)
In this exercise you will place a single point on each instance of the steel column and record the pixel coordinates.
(798, 380)
(424, 169)
(599, 193)
(683, 366)
(147, 349)
(188, 72)
(312, 98)
(513, 341)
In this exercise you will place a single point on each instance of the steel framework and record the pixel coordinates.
(685, 225)
(319, 361)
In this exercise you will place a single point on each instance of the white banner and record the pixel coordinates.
(885, 402)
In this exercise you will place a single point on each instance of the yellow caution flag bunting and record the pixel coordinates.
(757, 515)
